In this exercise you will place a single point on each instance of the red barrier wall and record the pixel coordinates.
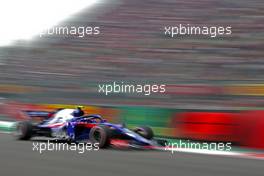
(245, 128)
(252, 129)
(211, 126)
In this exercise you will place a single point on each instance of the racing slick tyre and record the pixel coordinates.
(144, 131)
(24, 130)
(100, 135)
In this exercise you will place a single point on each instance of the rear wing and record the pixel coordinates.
(38, 114)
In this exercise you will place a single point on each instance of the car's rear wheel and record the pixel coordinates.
(24, 130)
(100, 135)
(144, 131)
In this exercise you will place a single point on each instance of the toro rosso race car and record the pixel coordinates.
(72, 125)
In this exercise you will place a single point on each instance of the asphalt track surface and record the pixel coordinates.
(18, 158)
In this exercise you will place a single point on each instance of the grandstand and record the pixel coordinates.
(132, 48)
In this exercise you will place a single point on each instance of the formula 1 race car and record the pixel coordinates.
(66, 125)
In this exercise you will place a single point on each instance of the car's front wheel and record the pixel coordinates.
(144, 131)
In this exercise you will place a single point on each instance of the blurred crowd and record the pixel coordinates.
(132, 48)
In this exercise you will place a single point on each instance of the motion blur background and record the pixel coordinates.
(221, 75)
(214, 86)
(199, 71)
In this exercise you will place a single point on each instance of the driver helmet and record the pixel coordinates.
(78, 112)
